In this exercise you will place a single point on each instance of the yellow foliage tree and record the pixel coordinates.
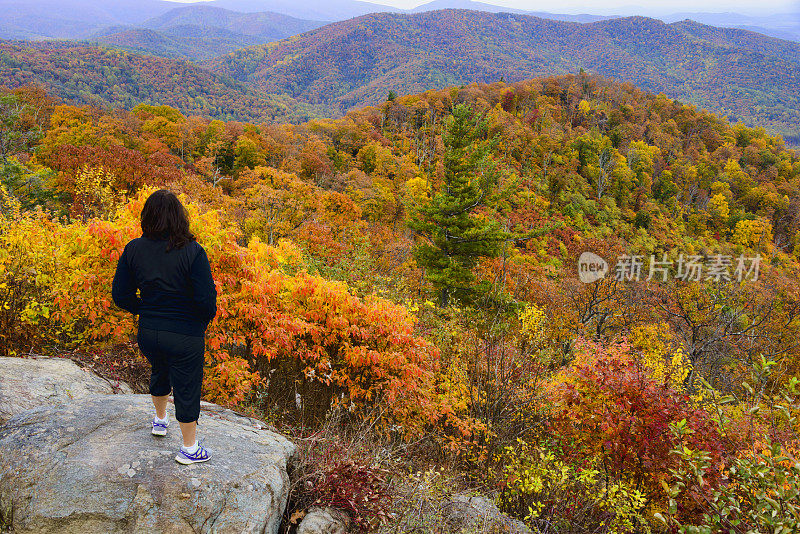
(718, 209)
(755, 234)
(94, 194)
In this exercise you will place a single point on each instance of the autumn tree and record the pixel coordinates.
(454, 235)
(276, 204)
(721, 323)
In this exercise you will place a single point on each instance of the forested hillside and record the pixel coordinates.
(115, 78)
(740, 74)
(736, 38)
(409, 274)
(186, 42)
(743, 75)
(267, 25)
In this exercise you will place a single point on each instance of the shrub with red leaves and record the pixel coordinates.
(338, 470)
(607, 406)
(360, 490)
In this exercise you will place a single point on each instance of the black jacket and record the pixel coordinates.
(176, 289)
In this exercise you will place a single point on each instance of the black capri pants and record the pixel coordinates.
(177, 364)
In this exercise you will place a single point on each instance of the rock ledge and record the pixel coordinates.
(91, 465)
(27, 383)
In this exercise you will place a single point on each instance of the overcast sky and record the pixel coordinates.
(752, 7)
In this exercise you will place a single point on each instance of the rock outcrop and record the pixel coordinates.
(478, 513)
(324, 521)
(91, 465)
(27, 383)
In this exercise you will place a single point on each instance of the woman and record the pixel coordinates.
(177, 299)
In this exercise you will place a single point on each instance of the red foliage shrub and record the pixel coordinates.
(607, 406)
(339, 471)
(132, 168)
(359, 489)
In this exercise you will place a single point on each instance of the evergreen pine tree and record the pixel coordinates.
(454, 238)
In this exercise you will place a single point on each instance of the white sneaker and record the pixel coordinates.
(186, 458)
(160, 427)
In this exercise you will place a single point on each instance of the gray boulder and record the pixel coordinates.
(91, 465)
(477, 513)
(324, 521)
(27, 383)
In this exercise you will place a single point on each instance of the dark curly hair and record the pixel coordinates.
(164, 217)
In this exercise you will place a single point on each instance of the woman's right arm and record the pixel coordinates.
(123, 288)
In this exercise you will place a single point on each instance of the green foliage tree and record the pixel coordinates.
(30, 187)
(15, 133)
(19, 132)
(454, 235)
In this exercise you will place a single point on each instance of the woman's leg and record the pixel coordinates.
(160, 404)
(186, 359)
(189, 432)
(159, 376)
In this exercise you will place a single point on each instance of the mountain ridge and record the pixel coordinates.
(80, 73)
(202, 32)
(179, 42)
(78, 19)
(255, 24)
(359, 61)
(328, 70)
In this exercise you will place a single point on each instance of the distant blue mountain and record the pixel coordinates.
(202, 32)
(328, 10)
(482, 6)
(78, 19)
(782, 26)
(69, 19)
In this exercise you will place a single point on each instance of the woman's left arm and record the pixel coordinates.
(204, 289)
(123, 288)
